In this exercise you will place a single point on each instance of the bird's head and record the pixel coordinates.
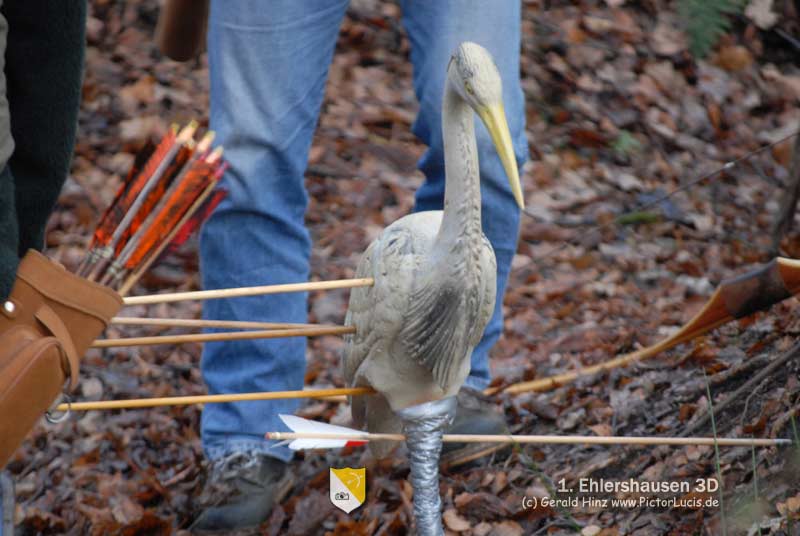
(473, 74)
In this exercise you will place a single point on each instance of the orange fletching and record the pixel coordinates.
(117, 210)
(106, 224)
(187, 191)
(155, 195)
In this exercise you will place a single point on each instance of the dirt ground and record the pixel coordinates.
(618, 114)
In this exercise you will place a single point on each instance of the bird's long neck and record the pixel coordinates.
(461, 221)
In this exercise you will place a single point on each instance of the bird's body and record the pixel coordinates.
(434, 272)
(417, 325)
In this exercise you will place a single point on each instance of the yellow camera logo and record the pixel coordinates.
(348, 487)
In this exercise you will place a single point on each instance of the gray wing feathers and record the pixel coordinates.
(433, 332)
(375, 311)
(436, 333)
(358, 315)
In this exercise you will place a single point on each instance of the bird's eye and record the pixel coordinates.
(468, 88)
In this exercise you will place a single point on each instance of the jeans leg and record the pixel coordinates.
(435, 30)
(268, 64)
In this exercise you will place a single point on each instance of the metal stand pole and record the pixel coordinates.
(6, 504)
(424, 425)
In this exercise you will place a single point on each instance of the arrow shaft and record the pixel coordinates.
(542, 439)
(225, 336)
(199, 323)
(248, 291)
(210, 399)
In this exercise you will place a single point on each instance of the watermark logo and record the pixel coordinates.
(348, 488)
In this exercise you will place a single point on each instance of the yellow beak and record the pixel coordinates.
(494, 117)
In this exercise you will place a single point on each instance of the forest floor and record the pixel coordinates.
(618, 114)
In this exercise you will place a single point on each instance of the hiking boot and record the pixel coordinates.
(240, 492)
(474, 415)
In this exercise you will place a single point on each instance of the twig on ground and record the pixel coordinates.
(717, 465)
(790, 354)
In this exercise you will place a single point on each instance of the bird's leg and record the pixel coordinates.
(424, 425)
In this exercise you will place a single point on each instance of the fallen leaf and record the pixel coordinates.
(667, 39)
(507, 528)
(761, 13)
(734, 58)
(481, 529)
(793, 503)
(455, 522)
(125, 511)
(788, 83)
(141, 128)
(601, 429)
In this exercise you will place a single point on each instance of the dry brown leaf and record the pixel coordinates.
(455, 522)
(793, 504)
(500, 482)
(734, 58)
(141, 128)
(125, 511)
(507, 528)
(601, 429)
(668, 39)
(787, 83)
(481, 529)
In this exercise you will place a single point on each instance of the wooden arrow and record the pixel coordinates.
(210, 399)
(544, 439)
(314, 331)
(248, 291)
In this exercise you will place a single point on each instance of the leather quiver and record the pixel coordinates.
(48, 322)
(31, 376)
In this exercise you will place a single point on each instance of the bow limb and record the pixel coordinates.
(734, 298)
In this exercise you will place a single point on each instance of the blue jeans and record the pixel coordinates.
(268, 65)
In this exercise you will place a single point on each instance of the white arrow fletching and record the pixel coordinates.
(300, 425)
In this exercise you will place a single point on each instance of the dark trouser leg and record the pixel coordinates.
(44, 66)
(9, 235)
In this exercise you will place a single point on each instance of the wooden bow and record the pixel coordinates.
(735, 298)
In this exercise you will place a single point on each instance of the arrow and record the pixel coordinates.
(309, 434)
(248, 291)
(143, 167)
(315, 331)
(210, 399)
(175, 201)
(311, 430)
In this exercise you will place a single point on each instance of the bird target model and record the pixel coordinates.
(434, 291)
